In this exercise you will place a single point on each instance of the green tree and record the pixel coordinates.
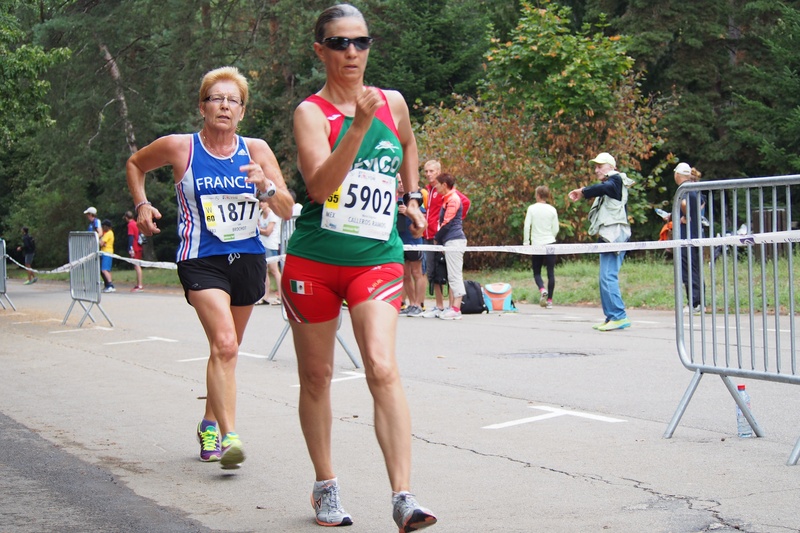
(22, 86)
(701, 51)
(516, 137)
(768, 108)
(24, 91)
(549, 68)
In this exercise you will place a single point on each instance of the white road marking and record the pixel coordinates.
(246, 354)
(254, 355)
(148, 339)
(553, 413)
(82, 329)
(36, 321)
(353, 375)
(193, 359)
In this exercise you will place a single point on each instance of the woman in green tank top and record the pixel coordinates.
(352, 142)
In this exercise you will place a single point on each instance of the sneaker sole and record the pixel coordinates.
(345, 522)
(624, 326)
(419, 520)
(232, 458)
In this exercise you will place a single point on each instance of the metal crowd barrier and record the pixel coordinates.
(3, 277)
(84, 276)
(747, 321)
(287, 228)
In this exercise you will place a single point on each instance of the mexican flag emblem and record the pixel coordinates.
(300, 287)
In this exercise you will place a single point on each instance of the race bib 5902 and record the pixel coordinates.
(364, 205)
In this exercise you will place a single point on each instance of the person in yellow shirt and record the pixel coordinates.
(107, 245)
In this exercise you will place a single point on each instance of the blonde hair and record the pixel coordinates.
(225, 74)
(434, 164)
(695, 175)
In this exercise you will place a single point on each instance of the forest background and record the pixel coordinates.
(507, 94)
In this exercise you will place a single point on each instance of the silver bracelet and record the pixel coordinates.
(140, 204)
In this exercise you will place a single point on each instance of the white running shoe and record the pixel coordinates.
(450, 314)
(543, 298)
(326, 504)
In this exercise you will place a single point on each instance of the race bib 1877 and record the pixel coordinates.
(231, 217)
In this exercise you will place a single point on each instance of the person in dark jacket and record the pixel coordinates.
(691, 227)
(28, 249)
(451, 235)
(608, 219)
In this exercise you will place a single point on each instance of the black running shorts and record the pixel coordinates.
(242, 276)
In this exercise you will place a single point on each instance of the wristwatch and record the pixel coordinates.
(416, 195)
(269, 193)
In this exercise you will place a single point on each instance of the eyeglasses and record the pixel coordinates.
(342, 43)
(219, 98)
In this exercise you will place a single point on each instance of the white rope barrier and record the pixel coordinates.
(589, 248)
(777, 237)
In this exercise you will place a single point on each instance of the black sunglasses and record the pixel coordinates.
(341, 43)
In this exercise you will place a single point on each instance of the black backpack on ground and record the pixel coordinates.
(472, 302)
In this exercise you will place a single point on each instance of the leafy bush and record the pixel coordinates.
(539, 121)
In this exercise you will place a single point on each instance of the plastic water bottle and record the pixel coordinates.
(663, 214)
(743, 427)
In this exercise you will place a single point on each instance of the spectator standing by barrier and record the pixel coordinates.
(94, 222)
(451, 235)
(608, 219)
(541, 227)
(28, 250)
(351, 138)
(106, 261)
(431, 170)
(413, 276)
(269, 229)
(433, 206)
(221, 261)
(134, 248)
(691, 227)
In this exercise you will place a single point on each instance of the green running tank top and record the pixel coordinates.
(380, 152)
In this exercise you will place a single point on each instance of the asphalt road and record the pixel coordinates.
(522, 422)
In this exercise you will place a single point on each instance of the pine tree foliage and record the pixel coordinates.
(85, 82)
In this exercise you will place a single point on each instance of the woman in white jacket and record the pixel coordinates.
(541, 227)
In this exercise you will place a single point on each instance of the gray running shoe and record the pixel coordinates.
(543, 298)
(404, 311)
(409, 515)
(433, 313)
(414, 311)
(326, 504)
